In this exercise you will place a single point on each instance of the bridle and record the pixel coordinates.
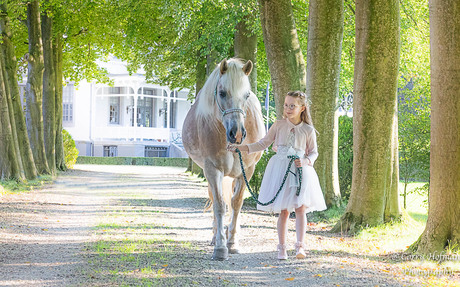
(228, 111)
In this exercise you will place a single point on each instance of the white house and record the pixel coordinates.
(131, 118)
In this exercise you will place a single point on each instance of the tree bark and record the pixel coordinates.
(284, 55)
(325, 34)
(374, 197)
(25, 151)
(6, 88)
(201, 65)
(245, 47)
(49, 92)
(9, 164)
(60, 153)
(34, 88)
(443, 226)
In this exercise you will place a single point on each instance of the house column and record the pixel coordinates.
(168, 109)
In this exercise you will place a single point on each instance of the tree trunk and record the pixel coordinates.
(443, 227)
(9, 164)
(284, 55)
(49, 92)
(34, 88)
(6, 89)
(25, 151)
(245, 47)
(325, 33)
(60, 154)
(200, 79)
(374, 197)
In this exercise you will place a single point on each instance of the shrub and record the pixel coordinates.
(70, 151)
(345, 155)
(256, 179)
(121, 160)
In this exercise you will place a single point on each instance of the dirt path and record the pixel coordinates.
(145, 226)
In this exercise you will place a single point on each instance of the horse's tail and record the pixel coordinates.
(227, 191)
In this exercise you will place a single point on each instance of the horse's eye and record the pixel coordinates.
(222, 94)
(247, 96)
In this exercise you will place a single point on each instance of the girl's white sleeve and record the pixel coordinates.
(311, 151)
(266, 141)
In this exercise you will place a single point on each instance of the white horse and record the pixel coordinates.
(225, 111)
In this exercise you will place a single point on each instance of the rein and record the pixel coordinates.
(291, 160)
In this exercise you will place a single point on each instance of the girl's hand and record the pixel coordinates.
(298, 162)
(233, 147)
(302, 162)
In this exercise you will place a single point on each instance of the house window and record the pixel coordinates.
(114, 117)
(114, 90)
(67, 104)
(148, 91)
(110, 151)
(156, 151)
(145, 112)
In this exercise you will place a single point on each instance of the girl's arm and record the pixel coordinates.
(257, 146)
(266, 141)
(311, 151)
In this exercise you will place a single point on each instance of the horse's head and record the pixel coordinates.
(232, 91)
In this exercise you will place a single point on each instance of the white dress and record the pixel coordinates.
(310, 191)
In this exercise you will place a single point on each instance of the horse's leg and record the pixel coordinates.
(214, 178)
(237, 203)
(213, 240)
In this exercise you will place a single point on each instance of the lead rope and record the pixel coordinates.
(291, 160)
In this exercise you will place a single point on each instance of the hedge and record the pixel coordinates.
(156, 161)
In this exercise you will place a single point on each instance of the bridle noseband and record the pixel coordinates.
(228, 111)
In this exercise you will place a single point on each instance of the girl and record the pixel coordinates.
(293, 135)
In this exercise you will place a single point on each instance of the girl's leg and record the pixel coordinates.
(300, 222)
(300, 228)
(282, 226)
(282, 232)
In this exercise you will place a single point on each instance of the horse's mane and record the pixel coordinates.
(206, 105)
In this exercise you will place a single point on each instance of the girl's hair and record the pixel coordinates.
(302, 99)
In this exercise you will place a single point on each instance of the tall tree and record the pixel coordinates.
(284, 55)
(6, 89)
(443, 226)
(59, 143)
(25, 151)
(49, 91)
(245, 46)
(374, 192)
(34, 88)
(9, 164)
(325, 35)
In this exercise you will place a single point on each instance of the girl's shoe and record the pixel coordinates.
(300, 250)
(282, 253)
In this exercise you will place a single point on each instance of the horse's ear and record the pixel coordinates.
(223, 66)
(247, 68)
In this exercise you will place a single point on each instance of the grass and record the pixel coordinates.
(130, 252)
(390, 241)
(14, 186)
(135, 255)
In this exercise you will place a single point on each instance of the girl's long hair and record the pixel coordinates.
(302, 99)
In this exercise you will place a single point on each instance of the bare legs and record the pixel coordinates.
(300, 223)
(300, 227)
(282, 226)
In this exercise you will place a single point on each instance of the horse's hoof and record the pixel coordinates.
(220, 254)
(233, 249)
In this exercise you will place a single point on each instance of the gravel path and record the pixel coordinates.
(47, 237)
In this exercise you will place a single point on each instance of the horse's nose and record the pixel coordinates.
(231, 134)
(236, 135)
